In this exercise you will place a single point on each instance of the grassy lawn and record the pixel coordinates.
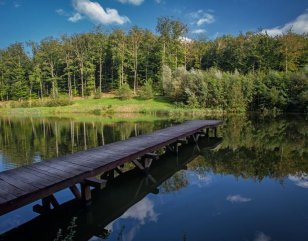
(134, 105)
(105, 106)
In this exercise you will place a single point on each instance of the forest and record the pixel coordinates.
(251, 71)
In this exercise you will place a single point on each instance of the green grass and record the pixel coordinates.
(107, 106)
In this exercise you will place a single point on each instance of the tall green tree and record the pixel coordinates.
(49, 53)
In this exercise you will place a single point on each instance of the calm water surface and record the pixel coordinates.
(250, 183)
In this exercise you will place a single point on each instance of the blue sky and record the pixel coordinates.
(23, 20)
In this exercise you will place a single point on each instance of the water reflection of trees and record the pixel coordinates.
(260, 148)
(252, 149)
(175, 183)
(26, 140)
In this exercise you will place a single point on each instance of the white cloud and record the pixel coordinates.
(133, 2)
(300, 180)
(198, 31)
(262, 237)
(299, 25)
(75, 18)
(185, 39)
(238, 199)
(96, 13)
(206, 19)
(201, 17)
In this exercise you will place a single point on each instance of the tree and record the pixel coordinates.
(80, 46)
(69, 68)
(15, 65)
(135, 36)
(118, 43)
(147, 92)
(292, 47)
(19, 87)
(171, 31)
(100, 46)
(35, 77)
(50, 55)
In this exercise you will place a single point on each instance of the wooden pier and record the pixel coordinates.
(41, 180)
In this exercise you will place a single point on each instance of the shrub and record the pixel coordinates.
(60, 101)
(19, 104)
(124, 92)
(97, 95)
(147, 92)
(192, 100)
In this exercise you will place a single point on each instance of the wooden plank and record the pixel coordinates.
(43, 168)
(61, 168)
(42, 174)
(29, 178)
(65, 167)
(11, 179)
(9, 191)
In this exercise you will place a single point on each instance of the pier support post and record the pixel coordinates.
(195, 137)
(147, 160)
(85, 192)
(75, 192)
(95, 182)
(173, 148)
(47, 202)
(108, 175)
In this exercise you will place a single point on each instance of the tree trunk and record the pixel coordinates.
(69, 79)
(164, 53)
(176, 58)
(75, 85)
(122, 71)
(54, 94)
(30, 94)
(135, 70)
(82, 80)
(286, 64)
(100, 74)
(41, 87)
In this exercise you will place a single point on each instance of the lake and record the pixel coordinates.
(249, 183)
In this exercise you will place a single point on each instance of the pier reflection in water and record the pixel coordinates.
(252, 186)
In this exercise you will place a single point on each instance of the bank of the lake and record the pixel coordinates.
(104, 106)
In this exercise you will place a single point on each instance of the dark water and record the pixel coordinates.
(251, 183)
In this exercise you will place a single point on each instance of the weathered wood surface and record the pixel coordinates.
(24, 185)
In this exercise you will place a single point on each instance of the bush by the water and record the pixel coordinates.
(235, 92)
(124, 92)
(60, 101)
(146, 91)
